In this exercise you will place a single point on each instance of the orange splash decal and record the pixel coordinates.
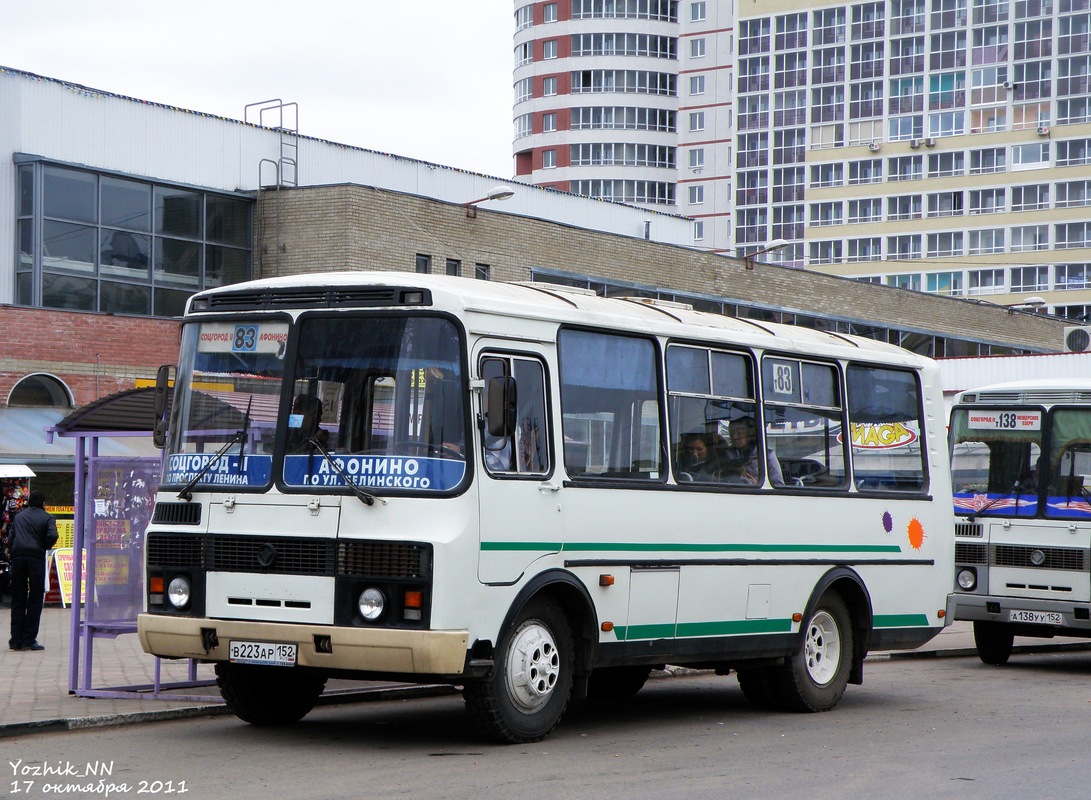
(916, 533)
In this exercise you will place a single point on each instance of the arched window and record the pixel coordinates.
(41, 390)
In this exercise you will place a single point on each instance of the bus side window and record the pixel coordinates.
(525, 450)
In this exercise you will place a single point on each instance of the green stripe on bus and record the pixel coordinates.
(683, 547)
(900, 621)
(686, 630)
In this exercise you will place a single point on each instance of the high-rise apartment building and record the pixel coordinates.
(937, 145)
(629, 100)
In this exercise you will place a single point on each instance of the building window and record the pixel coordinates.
(423, 264)
(523, 54)
(454, 267)
(988, 160)
(911, 281)
(697, 48)
(549, 159)
(987, 201)
(697, 12)
(522, 126)
(986, 281)
(1030, 279)
(696, 195)
(697, 158)
(869, 210)
(1073, 276)
(549, 87)
(944, 243)
(697, 121)
(482, 272)
(523, 90)
(125, 246)
(1026, 238)
(946, 283)
(697, 84)
(549, 122)
(549, 49)
(1073, 193)
(549, 12)
(698, 230)
(1030, 198)
(984, 242)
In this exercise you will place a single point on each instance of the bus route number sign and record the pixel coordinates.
(1012, 420)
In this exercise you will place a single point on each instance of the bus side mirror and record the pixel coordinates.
(162, 386)
(500, 406)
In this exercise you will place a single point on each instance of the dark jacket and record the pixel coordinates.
(33, 531)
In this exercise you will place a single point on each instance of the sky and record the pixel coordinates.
(427, 79)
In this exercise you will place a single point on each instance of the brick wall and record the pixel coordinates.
(361, 228)
(93, 354)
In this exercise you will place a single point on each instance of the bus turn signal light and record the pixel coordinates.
(797, 617)
(155, 584)
(414, 599)
(606, 580)
(607, 626)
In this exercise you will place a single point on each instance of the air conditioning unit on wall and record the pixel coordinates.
(1077, 339)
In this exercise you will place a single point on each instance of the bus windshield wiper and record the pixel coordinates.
(365, 498)
(238, 438)
(1014, 490)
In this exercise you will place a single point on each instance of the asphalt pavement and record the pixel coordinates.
(35, 694)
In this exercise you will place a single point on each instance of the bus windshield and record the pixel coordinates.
(999, 466)
(226, 397)
(375, 401)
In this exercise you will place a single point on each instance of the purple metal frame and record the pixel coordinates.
(83, 632)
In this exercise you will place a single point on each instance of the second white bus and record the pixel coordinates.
(537, 494)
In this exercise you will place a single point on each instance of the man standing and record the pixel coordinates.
(33, 531)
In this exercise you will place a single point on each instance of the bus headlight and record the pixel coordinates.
(371, 603)
(967, 579)
(178, 591)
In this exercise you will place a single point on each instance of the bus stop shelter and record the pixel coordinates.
(114, 501)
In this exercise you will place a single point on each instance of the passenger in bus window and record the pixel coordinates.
(744, 439)
(697, 457)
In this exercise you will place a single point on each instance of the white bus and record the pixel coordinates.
(1021, 465)
(539, 495)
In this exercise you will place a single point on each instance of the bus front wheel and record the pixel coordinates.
(814, 679)
(268, 695)
(994, 642)
(528, 691)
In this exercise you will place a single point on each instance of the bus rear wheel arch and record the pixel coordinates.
(813, 678)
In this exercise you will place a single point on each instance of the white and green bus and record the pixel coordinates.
(538, 495)
(1021, 465)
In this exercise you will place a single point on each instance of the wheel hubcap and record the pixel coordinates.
(533, 665)
(822, 648)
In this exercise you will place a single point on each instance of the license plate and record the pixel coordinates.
(273, 654)
(1035, 617)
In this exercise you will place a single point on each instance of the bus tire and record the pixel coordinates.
(616, 683)
(814, 679)
(268, 695)
(994, 642)
(529, 689)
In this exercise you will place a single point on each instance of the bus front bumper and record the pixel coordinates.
(354, 649)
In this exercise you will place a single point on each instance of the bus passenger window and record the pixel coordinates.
(525, 451)
(803, 422)
(610, 406)
(885, 429)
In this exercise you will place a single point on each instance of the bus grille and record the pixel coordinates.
(383, 559)
(970, 553)
(290, 556)
(1067, 558)
(176, 550)
(280, 555)
(177, 514)
(974, 529)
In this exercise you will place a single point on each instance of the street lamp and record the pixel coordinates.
(497, 193)
(776, 244)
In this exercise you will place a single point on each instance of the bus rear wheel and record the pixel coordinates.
(268, 695)
(994, 642)
(814, 679)
(529, 689)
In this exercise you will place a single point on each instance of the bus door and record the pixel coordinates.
(519, 496)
